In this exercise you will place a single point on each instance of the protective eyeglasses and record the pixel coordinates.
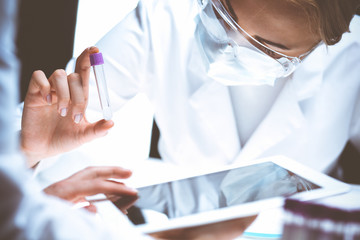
(225, 29)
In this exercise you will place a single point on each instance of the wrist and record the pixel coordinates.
(32, 159)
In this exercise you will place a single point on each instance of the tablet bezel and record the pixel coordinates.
(328, 187)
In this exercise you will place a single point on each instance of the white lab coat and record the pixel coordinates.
(154, 51)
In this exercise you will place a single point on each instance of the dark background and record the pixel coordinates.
(45, 36)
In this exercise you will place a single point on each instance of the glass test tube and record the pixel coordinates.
(97, 62)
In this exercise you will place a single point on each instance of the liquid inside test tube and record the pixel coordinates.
(97, 62)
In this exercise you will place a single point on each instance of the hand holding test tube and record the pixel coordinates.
(97, 62)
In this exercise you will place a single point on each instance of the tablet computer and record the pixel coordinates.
(234, 191)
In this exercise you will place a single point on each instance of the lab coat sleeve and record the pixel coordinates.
(344, 68)
(27, 213)
(8, 76)
(348, 73)
(342, 71)
(355, 74)
(126, 52)
(355, 124)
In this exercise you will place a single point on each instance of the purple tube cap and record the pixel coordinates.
(96, 59)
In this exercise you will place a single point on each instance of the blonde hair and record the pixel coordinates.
(329, 18)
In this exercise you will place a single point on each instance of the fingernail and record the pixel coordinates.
(102, 134)
(78, 118)
(49, 99)
(63, 112)
(133, 189)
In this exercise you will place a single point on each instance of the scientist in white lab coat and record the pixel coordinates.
(26, 212)
(238, 80)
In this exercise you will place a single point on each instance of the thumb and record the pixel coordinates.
(97, 129)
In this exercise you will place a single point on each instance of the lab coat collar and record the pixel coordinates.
(213, 104)
(284, 117)
(307, 79)
(287, 114)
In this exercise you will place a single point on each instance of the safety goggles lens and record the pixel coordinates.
(222, 28)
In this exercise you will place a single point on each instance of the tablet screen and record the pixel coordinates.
(214, 191)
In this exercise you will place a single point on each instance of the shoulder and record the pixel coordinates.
(355, 28)
(350, 41)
